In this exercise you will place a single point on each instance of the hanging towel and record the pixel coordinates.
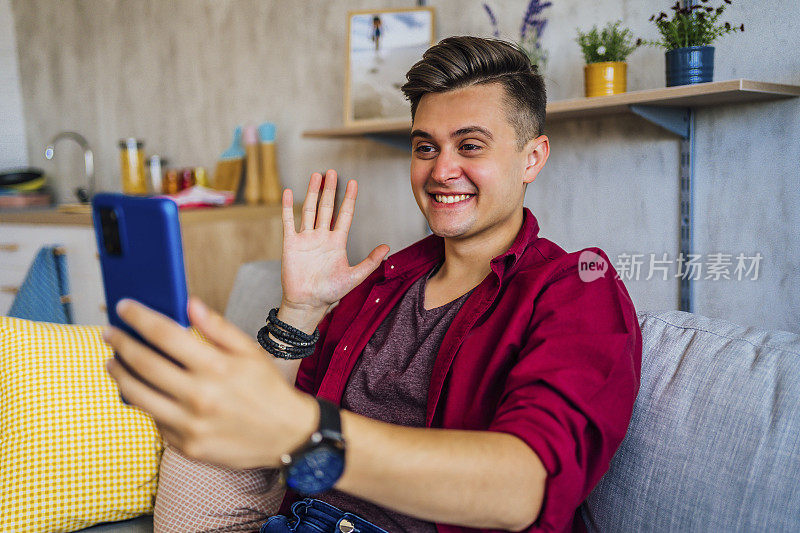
(44, 295)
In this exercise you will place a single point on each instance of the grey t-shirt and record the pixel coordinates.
(390, 383)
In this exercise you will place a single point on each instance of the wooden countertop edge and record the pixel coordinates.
(191, 216)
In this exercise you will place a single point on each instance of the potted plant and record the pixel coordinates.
(530, 32)
(605, 52)
(687, 37)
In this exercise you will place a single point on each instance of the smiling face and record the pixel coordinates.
(467, 174)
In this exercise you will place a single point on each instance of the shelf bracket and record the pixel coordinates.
(680, 121)
(686, 291)
(673, 119)
(401, 142)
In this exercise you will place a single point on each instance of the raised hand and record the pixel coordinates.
(315, 271)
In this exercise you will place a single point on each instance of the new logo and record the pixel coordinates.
(591, 266)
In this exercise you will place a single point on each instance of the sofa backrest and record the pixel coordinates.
(256, 290)
(714, 440)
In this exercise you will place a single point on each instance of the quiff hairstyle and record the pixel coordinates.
(458, 62)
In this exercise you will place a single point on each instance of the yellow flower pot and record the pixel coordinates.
(604, 78)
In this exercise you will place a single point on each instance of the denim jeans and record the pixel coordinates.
(315, 516)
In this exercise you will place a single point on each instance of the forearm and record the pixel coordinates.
(305, 320)
(469, 478)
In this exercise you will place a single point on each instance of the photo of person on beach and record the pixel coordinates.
(383, 46)
(376, 33)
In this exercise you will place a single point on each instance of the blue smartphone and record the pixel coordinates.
(141, 255)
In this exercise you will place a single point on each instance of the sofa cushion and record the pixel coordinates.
(71, 454)
(714, 439)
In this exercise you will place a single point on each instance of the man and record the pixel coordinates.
(483, 383)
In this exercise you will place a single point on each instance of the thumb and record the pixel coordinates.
(370, 263)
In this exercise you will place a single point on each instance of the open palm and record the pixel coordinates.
(315, 271)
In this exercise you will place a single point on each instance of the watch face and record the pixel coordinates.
(317, 471)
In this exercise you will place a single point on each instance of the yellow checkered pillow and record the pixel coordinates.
(71, 454)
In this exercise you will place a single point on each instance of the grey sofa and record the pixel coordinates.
(714, 440)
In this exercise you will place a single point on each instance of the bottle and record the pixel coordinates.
(131, 152)
(156, 165)
(187, 178)
(252, 184)
(201, 176)
(271, 189)
(172, 182)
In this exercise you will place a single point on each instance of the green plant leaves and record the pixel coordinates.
(612, 43)
(693, 26)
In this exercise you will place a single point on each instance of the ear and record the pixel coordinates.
(536, 152)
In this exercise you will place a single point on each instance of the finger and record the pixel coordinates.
(310, 203)
(220, 331)
(326, 203)
(370, 263)
(163, 409)
(168, 436)
(348, 207)
(287, 213)
(166, 335)
(147, 365)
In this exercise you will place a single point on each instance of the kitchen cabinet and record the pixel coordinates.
(216, 241)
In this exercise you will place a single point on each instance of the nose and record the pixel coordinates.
(445, 167)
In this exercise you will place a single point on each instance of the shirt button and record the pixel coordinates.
(391, 266)
(377, 300)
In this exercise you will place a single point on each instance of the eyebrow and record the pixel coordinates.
(457, 133)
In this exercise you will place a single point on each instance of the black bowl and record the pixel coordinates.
(22, 175)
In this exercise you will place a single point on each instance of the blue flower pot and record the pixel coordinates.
(693, 64)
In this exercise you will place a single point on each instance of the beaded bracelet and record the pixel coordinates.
(301, 335)
(296, 344)
(282, 351)
(285, 337)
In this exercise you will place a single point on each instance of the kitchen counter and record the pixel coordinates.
(216, 242)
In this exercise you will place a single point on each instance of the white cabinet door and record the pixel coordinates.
(18, 246)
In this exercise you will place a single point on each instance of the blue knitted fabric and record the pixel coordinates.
(40, 296)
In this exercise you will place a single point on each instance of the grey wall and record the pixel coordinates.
(181, 74)
(13, 146)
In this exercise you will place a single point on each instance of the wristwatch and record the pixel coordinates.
(316, 465)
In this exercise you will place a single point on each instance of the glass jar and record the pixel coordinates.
(187, 178)
(172, 182)
(201, 176)
(156, 167)
(131, 158)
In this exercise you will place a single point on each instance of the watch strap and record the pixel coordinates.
(330, 420)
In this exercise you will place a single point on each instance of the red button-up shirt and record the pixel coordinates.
(534, 351)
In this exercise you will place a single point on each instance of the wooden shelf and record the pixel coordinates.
(698, 95)
(398, 127)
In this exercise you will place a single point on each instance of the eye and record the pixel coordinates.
(471, 147)
(424, 149)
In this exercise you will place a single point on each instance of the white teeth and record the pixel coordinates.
(451, 199)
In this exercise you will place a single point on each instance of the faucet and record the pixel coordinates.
(88, 160)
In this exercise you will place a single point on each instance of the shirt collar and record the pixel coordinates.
(431, 249)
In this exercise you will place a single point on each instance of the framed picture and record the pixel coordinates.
(381, 46)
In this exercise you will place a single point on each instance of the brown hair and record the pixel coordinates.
(458, 62)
